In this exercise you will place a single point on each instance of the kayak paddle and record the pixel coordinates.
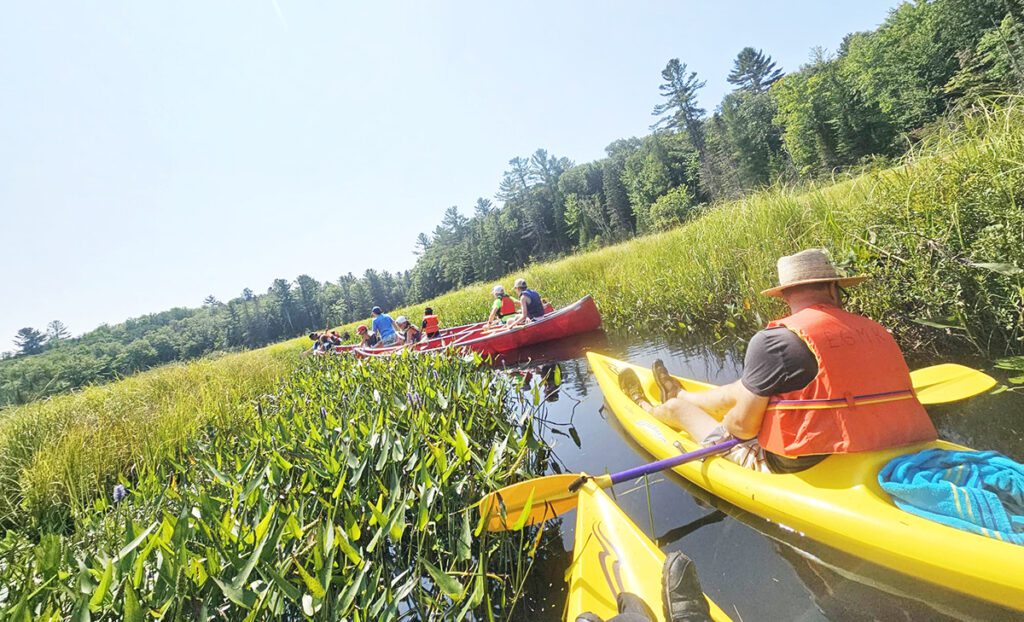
(543, 498)
(539, 499)
(949, 382)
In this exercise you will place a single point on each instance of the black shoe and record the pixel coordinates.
(667, 385)
(627, 602)
(684, 600)
(630, 385)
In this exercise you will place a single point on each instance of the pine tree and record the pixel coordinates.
(681, 112)
(753, 71)
(57, 330)
(29, 340)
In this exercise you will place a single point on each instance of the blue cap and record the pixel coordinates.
(375, 310)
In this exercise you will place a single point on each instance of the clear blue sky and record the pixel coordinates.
(154, 153)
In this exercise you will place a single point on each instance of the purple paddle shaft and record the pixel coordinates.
(668, 463)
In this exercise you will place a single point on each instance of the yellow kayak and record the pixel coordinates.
(611, 555)
(837, 502)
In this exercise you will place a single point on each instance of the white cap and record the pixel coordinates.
(400, 319)
(497, 289)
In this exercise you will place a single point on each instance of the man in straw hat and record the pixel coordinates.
(817, 382)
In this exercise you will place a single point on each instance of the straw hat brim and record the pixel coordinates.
(843, 281)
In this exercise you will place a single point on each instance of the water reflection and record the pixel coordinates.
(754, 569)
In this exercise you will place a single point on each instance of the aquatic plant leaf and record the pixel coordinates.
(254, 483)
(131, 546)
(448, 584)
(254, 557)
(264, 524)
(104, 585)
(350, 593)
(347, 548)
(241, 597)
(313, 585)
(289, 589)
(937, 323)
(464, 544)
(131, 611)
(461, 444)
(525, 512)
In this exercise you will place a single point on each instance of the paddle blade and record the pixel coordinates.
(949, 382)
(528, 503)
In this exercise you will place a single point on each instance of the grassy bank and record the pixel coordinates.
(57, 455)
(347, 496)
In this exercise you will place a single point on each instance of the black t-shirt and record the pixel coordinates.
(779, 361)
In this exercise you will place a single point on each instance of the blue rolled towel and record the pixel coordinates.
(977, 491)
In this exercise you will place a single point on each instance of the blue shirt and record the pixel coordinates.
(383, 326)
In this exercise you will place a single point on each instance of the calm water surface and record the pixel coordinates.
(753, 569)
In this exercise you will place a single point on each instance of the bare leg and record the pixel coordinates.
(681, 414)
(716, 401)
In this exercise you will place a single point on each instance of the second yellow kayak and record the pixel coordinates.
(611, 555)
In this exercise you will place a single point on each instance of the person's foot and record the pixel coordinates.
(628, 602)
(667, 385)
(629, 382)
(684, 599)
(588, 617)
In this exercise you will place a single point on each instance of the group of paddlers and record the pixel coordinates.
(385, 331)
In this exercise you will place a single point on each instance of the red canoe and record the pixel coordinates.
(579, 317)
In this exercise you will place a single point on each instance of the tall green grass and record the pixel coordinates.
(56, 454)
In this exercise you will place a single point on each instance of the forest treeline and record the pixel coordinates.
(857, 107)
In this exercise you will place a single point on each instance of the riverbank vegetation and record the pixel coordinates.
(941, 233)
(345, 493)
(878, 95)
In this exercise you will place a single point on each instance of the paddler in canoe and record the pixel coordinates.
(530, 303)
(430, 327)
(384, 328)
(817, 382)
(366, 338)
(502, 306)
(407, 333)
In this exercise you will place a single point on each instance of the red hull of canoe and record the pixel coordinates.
(579, 317)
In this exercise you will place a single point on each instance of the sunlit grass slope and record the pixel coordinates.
(62, 452)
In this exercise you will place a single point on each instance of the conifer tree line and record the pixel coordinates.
(860, 105)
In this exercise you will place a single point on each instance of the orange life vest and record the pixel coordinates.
(508, 306)
(862, 398)
(430, 324)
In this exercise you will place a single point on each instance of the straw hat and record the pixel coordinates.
(809, 266)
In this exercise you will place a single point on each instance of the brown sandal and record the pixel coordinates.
(667, 385)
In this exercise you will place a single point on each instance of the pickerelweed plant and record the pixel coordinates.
(350, 496)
